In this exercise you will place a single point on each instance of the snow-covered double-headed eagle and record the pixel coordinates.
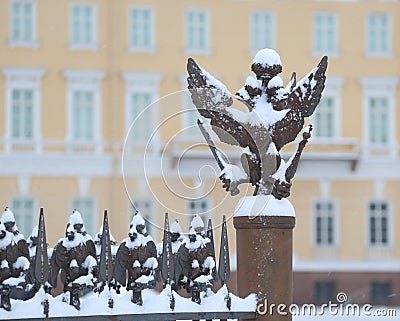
(274, 118)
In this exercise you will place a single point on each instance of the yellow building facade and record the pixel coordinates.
(93, 114)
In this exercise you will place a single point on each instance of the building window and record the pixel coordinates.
(22, 114)
(197, 31)
(379, 115)
(24, 213)
(141, 108)
(83, 26)
(378, 217)
(84, 110)
(325, 33)
(23, 23)
(378, 122)
(324, 216)
(23, 110)
(200, 207)
(145, 207)
(381, 292)
(87, 207)
(82, 115)
(324, 118)
(262, 31)
(324, 291)
(139, 116)
(141, 29)
(378, 34)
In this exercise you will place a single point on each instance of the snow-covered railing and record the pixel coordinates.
(109, 298)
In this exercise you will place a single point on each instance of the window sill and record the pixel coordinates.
(193, 51)
(150, 49)
(379, 55)
(330, 54)
(23, 44)
(83, 47)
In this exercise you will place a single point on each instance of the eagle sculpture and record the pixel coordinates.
(274, 117)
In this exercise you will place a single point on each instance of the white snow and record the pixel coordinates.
(242, 92)
(275, 82)
(195, 264)
(15, 281)
(8, 216)
(263, 205)
(145, 279)
(175, 227)
(151, 263)
(252, 82)
(8, 238)
(89, 263)
(232, 172)
(196, 222)
(136, 264)
(140, 240)
(93, 304)
(199, 242)
(4, 264)
(209, 263)
(35, 232)
(280, 173)
(211, 80)
(137, 220)
(204, 278)
(85, 280)
(21, 263)
(267, 57)
(272, 149)
(73, 264)
(78, 239)
(75, 218)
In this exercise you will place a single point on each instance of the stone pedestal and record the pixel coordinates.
(264, 263)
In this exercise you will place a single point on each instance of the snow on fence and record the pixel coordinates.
(118, 284)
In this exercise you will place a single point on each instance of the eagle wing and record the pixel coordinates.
(213, 100)
(301, 101)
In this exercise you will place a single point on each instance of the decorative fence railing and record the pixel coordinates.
(113, 283)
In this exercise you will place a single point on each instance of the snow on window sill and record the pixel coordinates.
(149, 49)
(384, 55)
(85, 47)
(330, 54)
(197, 51)
(23, 44)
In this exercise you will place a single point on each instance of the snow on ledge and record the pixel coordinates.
(263, 205)
(96, 304)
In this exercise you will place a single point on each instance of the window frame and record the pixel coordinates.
(151, 48)
(379, 53)
(333, 89)
(84, 81)
(332, 52)
(380, 245)
(252, 49)
(34, 215)
(335, 224)
(24, 79)
(136, 82)
(377, 87)
(93, 45)
(32, 43)
(207, 32)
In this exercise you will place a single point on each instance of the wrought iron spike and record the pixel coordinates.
(41, 268)
(106, 268)
(210, 235)
(223, 264)
(167, 269)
